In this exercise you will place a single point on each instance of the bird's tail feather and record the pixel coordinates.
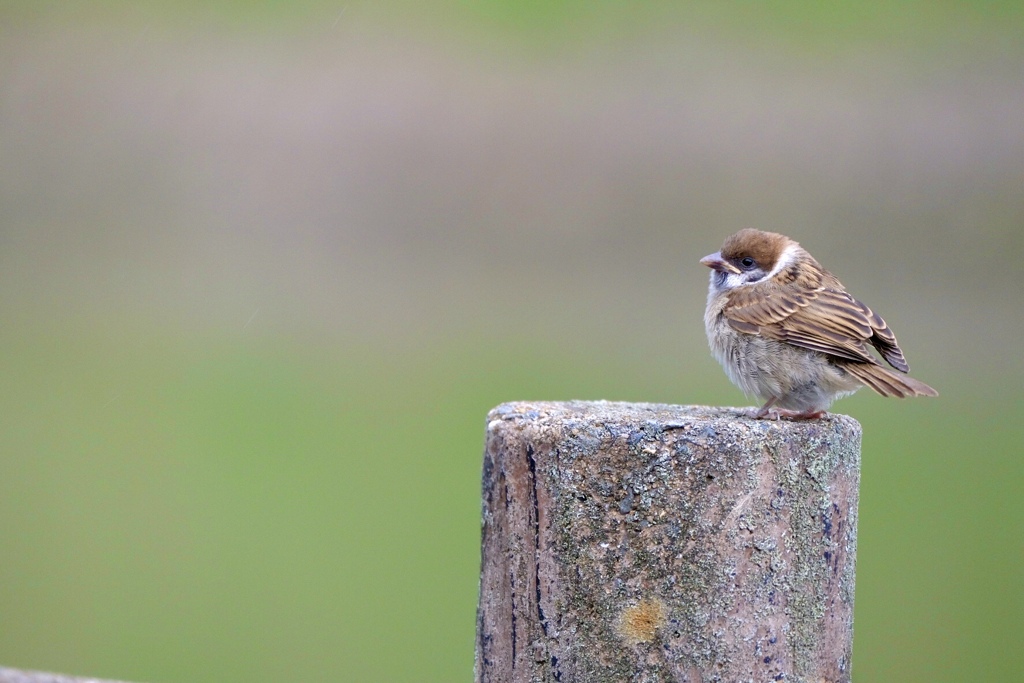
(887, 382)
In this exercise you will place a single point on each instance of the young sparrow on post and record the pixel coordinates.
(786, 331)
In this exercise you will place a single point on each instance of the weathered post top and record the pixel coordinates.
(641, 542)
(20, 676)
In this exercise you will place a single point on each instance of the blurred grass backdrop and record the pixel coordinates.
(264, 267)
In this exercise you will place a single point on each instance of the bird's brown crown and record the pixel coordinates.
(763, 247)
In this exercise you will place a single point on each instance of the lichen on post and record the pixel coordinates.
(640, 542)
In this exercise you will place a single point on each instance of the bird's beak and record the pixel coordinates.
(716, 262)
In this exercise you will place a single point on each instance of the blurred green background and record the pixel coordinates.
(265, 266)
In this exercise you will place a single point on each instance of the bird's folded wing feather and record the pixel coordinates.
(817, 315)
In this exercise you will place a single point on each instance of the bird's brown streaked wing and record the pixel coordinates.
(885, 341)
(766, 304)
(802, 330)
(823, 319)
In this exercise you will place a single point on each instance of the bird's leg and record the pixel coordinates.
(766, 409)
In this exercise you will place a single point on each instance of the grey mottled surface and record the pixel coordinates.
(639, 542)
(19, 676)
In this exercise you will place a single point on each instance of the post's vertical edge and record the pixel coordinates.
(494, 649)
(511, 626)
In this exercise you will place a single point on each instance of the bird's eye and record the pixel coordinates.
(747, 262)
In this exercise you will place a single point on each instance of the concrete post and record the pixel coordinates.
(637, 542)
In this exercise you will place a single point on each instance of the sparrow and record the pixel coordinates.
(786, 331)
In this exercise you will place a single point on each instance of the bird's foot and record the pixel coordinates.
(766, 412)
(802, 415)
